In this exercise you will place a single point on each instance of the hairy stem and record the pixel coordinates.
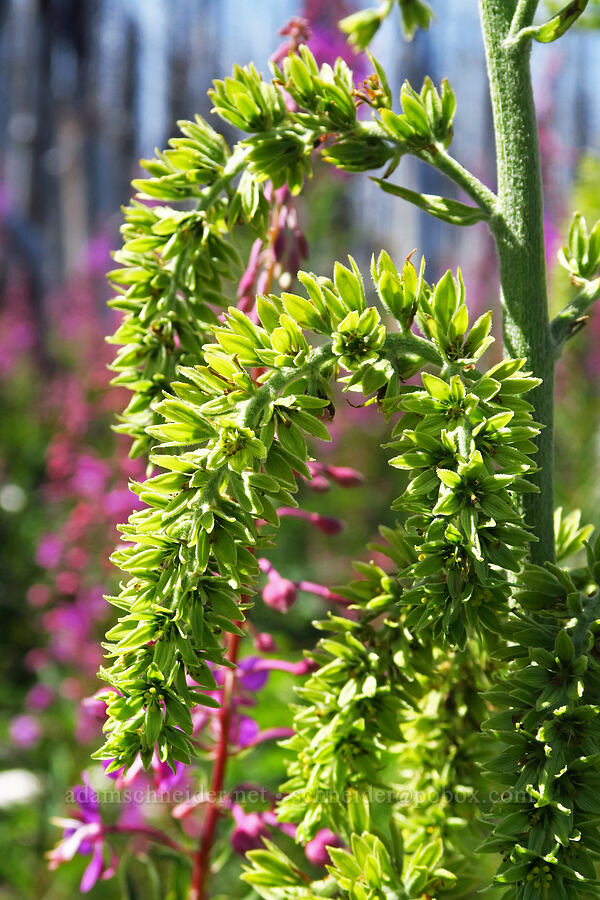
(519, 233)
(441, 160)
(202, 858)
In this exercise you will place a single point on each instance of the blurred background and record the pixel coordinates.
(87, 87)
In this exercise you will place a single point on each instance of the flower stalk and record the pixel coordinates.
(518, 229)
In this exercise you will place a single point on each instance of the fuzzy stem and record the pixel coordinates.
(519, 233)
(470, 184)
(202, 858)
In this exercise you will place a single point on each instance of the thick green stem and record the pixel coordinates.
(518, 229)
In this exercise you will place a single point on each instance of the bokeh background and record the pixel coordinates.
(87, 87)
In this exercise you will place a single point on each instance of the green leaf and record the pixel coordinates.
(447, 210)
(560, 23)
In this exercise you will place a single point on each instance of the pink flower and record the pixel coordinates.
(49, 552)
(90, 476)
(316, 850)
(264, 642)
(327, 524)
(310, 587)
(25, 731)
(38, 595)
(83, 834)
(345, 476)
(39, 697)
(279, 593)
(249, 830)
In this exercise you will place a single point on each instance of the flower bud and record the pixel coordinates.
(249, 831)
(316, 850)
(327, 524)
(279, 593)
(264, 642)
(345, 476)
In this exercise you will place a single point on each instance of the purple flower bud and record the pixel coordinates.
(302, 243)
(321, 591)
(279, 245)
(345, 476)
(319, 484)
(244, 731)
(282, 194)
(263, 280)
(264, 642)
(327, 524)
(247, 279)
(279, 593)
(316, 850)
(249, 831)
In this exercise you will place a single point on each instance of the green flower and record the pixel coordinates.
(358, 338)
(362, 26)
(235, 447)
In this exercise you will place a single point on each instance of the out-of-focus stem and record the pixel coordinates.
(202, 858)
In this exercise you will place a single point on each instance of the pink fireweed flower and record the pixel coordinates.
(39, 595)
(302, 667)
(318, 482)
(299, 32)
(342, 475)
(249, 830)
(83, 833)
(264, 642)
(327, 524)
(267, 734)
(279, 593)
(25, 731)
(316, 850)
(49, 552)
(39, 697)
(319, 590)
(345, 476)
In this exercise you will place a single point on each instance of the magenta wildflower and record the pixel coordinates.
(83, 834)
(316, 850)
(319, 590)
(249, 830)
(327, 524)
(39, 697)
(279, 593)
(25, 731)
(345, 476)
(264, 642)
(49, 552)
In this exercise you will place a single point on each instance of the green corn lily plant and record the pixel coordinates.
(468, 677)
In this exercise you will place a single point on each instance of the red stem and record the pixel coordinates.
(202, 857)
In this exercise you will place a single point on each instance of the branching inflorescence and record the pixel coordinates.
(459, 630)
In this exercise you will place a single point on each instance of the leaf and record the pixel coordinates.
(303, 312)
(350, 288)
(560, 23)
(447, 210)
